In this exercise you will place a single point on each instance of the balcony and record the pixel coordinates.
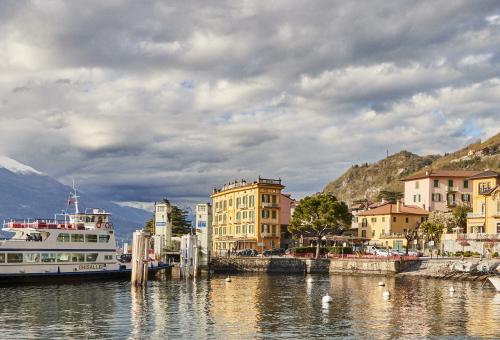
(484, 190)
(451, 204)
(452, 189)
(364, 225)
(269, 205)
(475, 215)
(479, 237)
(392, 236)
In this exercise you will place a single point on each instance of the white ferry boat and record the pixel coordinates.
(79, 245)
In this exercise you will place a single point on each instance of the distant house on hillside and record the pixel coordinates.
(440, 190)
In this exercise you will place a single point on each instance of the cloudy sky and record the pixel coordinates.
(137, 100)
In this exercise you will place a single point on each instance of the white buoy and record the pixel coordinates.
(327, 299)
(381, 283)
(228, 279)
(310, 280)
(451, 289)
(386, 294)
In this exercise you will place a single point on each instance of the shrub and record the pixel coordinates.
(338, 250)
(306, 250)
(495, 254)
(468, 253)
(459, 253)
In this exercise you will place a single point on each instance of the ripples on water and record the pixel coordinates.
(251, 307)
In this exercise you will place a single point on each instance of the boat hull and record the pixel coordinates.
(63, 277)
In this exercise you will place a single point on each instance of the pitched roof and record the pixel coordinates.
(486, 174)
(391, 208)
(442, 173)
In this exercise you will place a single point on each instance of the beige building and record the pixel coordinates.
(440, 190)
(163, 223)
(386, 224)
(247, 215)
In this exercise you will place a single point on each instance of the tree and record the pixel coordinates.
(391, 196)
(180, 223)
(150, 225)
(318, 216)
(410, 236)
(460, 216)
(437, 222)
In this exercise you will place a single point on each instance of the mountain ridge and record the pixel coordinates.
(365, 181)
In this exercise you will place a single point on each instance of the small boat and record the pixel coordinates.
(495, 280)
(71, 246)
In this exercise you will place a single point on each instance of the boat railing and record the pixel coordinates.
(51, 224)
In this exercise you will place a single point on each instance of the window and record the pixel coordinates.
(274, 228)
(77, 257)
(245, 214)
(274, 199)
(14, 257)
(237, 229)
(498, 227)
(423, 218)
(383, 218)
(77, 238)
(2, 257)
(238, 216)
(466, 184)
(251, 201)
(63, 257)
(414, 198)
(465, 197)
(63, 238)
(417, 185)
(373, 233)
(91, 257)
(91, 238)
(436, 197)
(32, 257)
(230, 202)
(419, 198)
(374, 219)
(244, 229)
(48, 257)
(436, 183)
(262, 228)
(265, 214)
(225, 205)
(108, 257)
(103, 238)
(407, 220)
(244, 200)
(363, 233)
(251, 229)
(273, 214)
(450, 183)
(238, 202)
(394, 219)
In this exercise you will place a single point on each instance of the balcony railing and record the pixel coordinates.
(451, 203)
(269, 205)
(452, 189)
(475, 215)
(479, 237)
(392, 235)
(484, 190)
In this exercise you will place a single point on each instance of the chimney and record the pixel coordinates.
(398, 206)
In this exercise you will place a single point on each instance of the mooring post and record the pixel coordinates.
(140, 257)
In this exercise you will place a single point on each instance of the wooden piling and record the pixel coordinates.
(140, 257)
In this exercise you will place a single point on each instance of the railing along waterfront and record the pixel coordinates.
(479, 237)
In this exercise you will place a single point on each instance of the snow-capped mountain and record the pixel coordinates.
(28, 193)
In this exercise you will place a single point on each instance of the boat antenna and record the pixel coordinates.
(75, 196)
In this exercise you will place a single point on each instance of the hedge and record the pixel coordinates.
(338, 250)
(306, 250)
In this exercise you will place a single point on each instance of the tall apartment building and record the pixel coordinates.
(440, 190)
(247, 215)
(485, 215)
(163, 223)
(204, 231)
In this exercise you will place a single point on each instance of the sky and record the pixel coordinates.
(140, 100)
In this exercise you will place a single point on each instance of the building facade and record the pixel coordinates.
(163, 223)
(485, 215)
(247, 215)
(440, 190)
(386, 224)
(204, 231)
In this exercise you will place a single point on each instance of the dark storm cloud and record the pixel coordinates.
(138, 101)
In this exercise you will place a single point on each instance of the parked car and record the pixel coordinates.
(274, 252)
(382, 252)
(246, 252)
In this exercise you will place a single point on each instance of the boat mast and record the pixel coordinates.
(75, 196)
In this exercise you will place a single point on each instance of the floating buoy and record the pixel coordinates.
(310, 280)
(451, 289)
(381, 283)
(386, 294)
(228, 279)
(327, 298)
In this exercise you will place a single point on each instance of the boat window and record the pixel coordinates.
(91, 238)
(77, 257)
(91, 257)
(77, 238)
(63, 238)
(63, 257)
(108, 257)
(103, 238)
(48, 257)
(14, 257)
(31, 257)
(2, 257)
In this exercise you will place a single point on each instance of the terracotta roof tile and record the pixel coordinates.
(442, 173)
(485, 174)
(388, 209)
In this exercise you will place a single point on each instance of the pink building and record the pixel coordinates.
(287, 206)
(439, 189)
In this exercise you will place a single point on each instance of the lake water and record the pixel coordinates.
(259, 306)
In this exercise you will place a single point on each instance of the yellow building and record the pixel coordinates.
(247, 215)
(386, 224)
(485, 215)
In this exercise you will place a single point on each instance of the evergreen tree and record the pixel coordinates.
(180, 223)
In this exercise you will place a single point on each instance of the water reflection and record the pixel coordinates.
(251, 307)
